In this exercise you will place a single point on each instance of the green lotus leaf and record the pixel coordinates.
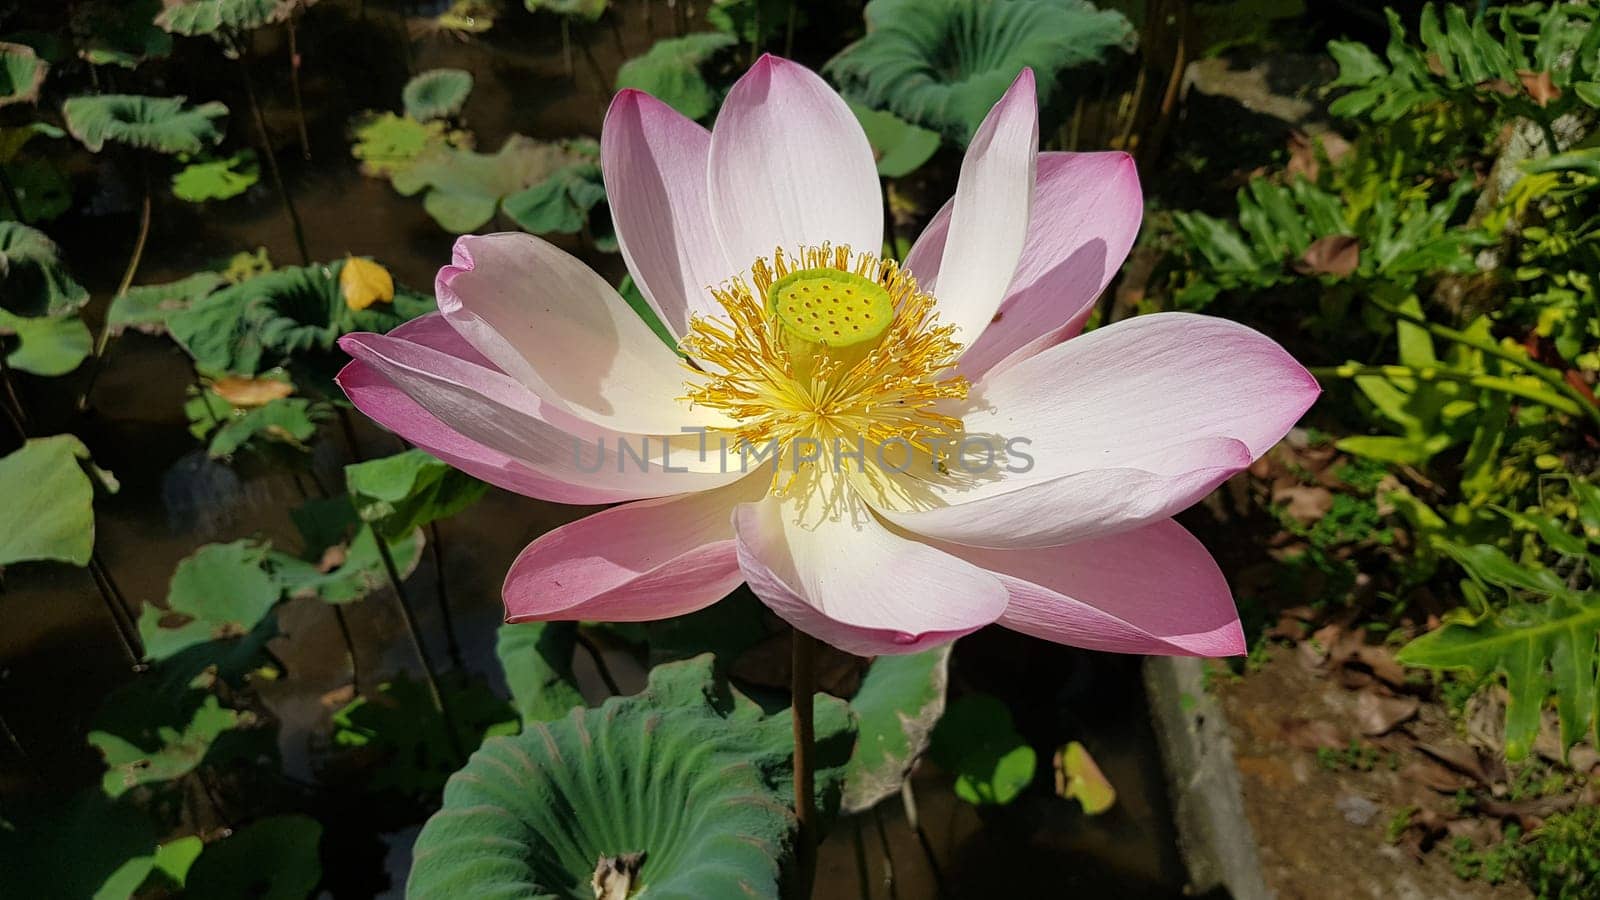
(147, 307)
(41, 188)
(401, 493)
(561, 203)
(341, 563)
(670, 72)
(14, 138)
(942, 64)
(897, 706)
(213, 17)
(86, 845)
(436, 94)
(388, 142)
(689, 774)
(284, 420)
(33, 279)
(977, 741)
(899, 146)
(754, 21)
(46, 345)
(537, 660)
(162, 124)
(589, 10)
(121, 33)
(161, 751)
(49, 502)
(408, 741)
(21, 73)
(222, 591)
(464, 188)
(271, 859)
(256, 324)
(216, 179)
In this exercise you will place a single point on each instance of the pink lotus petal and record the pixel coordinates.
(550, 322)
(851, 582)
(633, 563)
(1086, 213)
(790, 165)
(1154, 590)
(654, 162)
(990, 212)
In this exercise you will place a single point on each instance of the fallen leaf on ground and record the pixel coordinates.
(1306, 504)
(1459, 757)
(1434, 776)
(1336, 254)
(1312, 734)
(1539, 87)
(1377, 714)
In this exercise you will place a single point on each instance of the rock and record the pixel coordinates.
(1357, 810)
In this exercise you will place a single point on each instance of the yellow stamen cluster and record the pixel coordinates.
(779, 384)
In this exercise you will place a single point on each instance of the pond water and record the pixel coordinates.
(59, 655)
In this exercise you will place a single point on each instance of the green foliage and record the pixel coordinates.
(49, 508)
(754, 22)
(221, 592)
(121, 33)
(689, 773)
(537, 660)
(46, 345)
(221, 18)
(588, 10)
(401, 493)
(35, 279)
(341, 563)
(462, 189)
(1561, 860)
(387, 143)
(671, 71)
(401, 730)
(943, 64)
(271, 859)
(977, 741)
(1501, 58)
(897, 706)
(564, 204)
(147, 308)
(85, 846)
(164, 752)
(162, 124)
(42, 189)
(285, 420)
(22, 73)
(436, 94)
(216, 179)
(899, 146)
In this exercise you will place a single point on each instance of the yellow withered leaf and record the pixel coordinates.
(364, 282)
(250, 392)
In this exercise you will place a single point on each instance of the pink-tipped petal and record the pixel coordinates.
(1155, 590)
(846, 579)
(990, 212)
(1086, 213)
(488, 408)
(790, 166)
(633, 563)
(549, 321)
(1120, 426)
(654, 162)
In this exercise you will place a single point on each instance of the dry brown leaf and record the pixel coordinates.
(250, 392)
(1434, 776)
(333, 558)
(1539, 87)
(1336, 254)
(1306, 152)
(1459, 757)
(1313, 734)
(1377, 714)
(1306, 504)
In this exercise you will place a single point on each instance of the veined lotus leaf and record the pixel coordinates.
(670, 72)
(162, 124)
(121, 32)
(942, 64)
(436, 94)
(271, 859)
(899, 702)
(46, 345)
(401, 493)
(387, 142)
(465, 188)
(536, 658)
(286, 420)
(341, 563)
(85, 846)
(400, 727)
(154, 749)
(212, 17)
(33, 280)
(147, 307)
(560, 204)
(589, 10)
(49, 508)
(690, 774)
(899, 146)
(21, 73)
(216, 179)
(258, 323)
(221, 592)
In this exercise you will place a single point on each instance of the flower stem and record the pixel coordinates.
(127, 628)
(803, 684)
(103, 342)
(442, 594)
(599, 660)
(265, 137)
(349, 646)
(294, 85)
(440, 705)
(18, 415)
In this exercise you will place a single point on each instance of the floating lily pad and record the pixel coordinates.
(35, 281)
(692, 776)
(163, 752)
(464, 188)
(401, 728)
(899, 146)
(121, 33)
(537, 660)
(21, 73)
(284, 420)
(978, 742)
(342, 563)
(671, 72)
(896, 707)
(162, 124)
(46, 345)
(401, 493)
(213, 17)
(561, 203)
(84, 846)
(436, 94)
(48, 511)
(216, 179)
(942, 64)
(589, 10)
(272, 859)
(387, 143)
(147, 308)
(221, 592)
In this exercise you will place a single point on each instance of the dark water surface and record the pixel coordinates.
(59, 655)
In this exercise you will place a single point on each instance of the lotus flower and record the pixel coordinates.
(950, 451)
